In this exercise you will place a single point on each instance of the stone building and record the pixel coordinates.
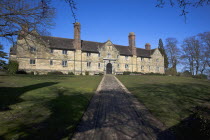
(48, 54)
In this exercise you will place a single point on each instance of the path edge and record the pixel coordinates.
(96, 92)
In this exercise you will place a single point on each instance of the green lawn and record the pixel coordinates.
(43, 107)
(170, 99)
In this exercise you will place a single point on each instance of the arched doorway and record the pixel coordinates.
(109, 68)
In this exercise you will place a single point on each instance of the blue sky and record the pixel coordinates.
(114, 19)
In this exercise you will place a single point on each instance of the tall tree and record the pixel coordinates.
(172, 51)
(162, 50)
(3, 56)
(205, 52)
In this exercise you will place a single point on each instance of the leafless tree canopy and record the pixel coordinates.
(173, 52)
(196, 53)
(183, 4)
(28, 15)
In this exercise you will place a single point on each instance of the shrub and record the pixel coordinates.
(200, 76)
(70, 73)
(55, 73)
(86, 72)
(171, 71)
(13, 67)
(126, 73)
(21, 72)
(100, 74)
(186, 74)
(160, 74)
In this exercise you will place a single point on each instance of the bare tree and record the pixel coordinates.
(172, 51)
(183, 4)
(30, 14)
(205, 53)
(191, 49)
(22, 17)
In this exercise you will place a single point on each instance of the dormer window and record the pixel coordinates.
(88, 54)
(142, 59)
(64, 52)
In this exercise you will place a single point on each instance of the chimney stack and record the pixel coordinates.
(132, 42)
(77, 39)
(147, 46)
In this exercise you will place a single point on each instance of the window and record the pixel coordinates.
(88, 64)
(64, 51)
(108, 55)
(142, 67)
(149, 59)
(51, 62)
(142, 59)
(117, 56)
(99, 55)
(64, 63)
(157, 60)
(99, 65)
(51, 50)
(126, 57)
(88, 54)
(126, 66)
(118, 65)
(157, 69)
(32, 49)
(32, 61)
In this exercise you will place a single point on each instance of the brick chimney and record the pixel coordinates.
(147, 46)
(132, 42)
(77, 39)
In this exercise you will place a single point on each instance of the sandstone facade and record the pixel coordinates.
(48, 54)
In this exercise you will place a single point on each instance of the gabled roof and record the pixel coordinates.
(144, 53)
(88, 46)
(59, 43)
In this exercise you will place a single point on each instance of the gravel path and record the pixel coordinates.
(114, 114)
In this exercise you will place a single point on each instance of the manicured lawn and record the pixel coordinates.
(170, 99)
(43, 107)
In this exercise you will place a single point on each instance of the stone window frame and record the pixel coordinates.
(109, 55)
(32, 49)
(64, 63)
(64, 52)
(32, 61)
(126, 57)
(142, 58)
(126, 66)
(88, 54)
(88, 64)
(158, 69)
(99, 65)
(51, 62)
(51, 50)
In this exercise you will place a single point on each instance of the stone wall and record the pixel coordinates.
(77, 61)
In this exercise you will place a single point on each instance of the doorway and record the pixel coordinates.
(109, 68)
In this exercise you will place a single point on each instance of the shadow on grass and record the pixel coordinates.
(66, 111)
(194, 127)
(11, 95)
(167, 101)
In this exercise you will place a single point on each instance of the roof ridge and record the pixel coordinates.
(57, 37)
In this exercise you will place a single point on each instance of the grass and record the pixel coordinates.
(43, 107)
(170, 99)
